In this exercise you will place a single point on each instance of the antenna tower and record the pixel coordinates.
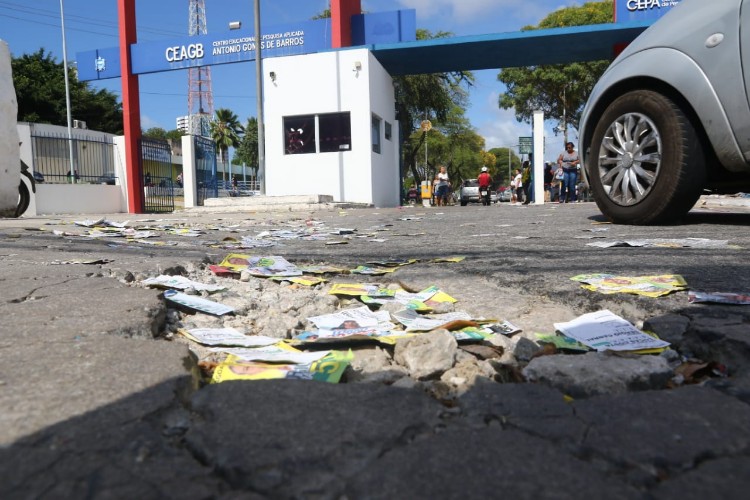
(200, 95)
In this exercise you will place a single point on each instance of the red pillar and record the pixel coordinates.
(131, 107)
(341, 21)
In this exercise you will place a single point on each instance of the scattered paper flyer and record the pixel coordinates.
(504, 328)
(346, 319)
(665, 242)
(227, 337)
(300, 280)
(180, 283)
(562, 342)
(650, 286)
(415, 322)
(392, 262)
(265, 266)
(386, 336)
(273, 354)
(604, 330)
(719, 298)
(197, 303)
(357, 289)
(321, 269)
(457, 258)
(373, 271)
(327, 369)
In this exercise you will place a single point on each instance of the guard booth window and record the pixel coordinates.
(376, 134)
(299, 132)
(334, 133)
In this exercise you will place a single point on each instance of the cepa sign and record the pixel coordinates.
(639, 10)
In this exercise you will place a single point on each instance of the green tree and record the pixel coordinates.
(225, 131)
(175, 134)
(455, 144)
(502, 168)
(430, 96)
(247, 151)
(155, 133)
(560, 91)
(39, 81)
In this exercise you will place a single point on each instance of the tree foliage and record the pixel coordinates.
(560, 91)
(247, 151)
(428, 97)
(39, 81)
(452, 143)
(225, 131)
(502, 172)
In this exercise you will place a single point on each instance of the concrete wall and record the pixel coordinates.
(9, 155)
(328, 82)
(52, 199)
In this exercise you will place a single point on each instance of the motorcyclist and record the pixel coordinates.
(484, 186)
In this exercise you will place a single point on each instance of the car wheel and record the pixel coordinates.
(646, 162)
(24, 198)
(463, 203)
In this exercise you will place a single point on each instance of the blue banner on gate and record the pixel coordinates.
(235, 46)
(642, 10)
(205, 50)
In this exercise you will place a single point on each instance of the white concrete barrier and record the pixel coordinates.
(10, 160)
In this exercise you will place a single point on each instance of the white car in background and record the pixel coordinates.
(670, 117)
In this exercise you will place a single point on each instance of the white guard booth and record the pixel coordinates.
(330, 128)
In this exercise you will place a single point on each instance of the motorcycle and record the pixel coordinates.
(484, 195)
(24, 197)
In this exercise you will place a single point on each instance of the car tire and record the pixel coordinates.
(463, 203)
(646, 164)
(24, 199)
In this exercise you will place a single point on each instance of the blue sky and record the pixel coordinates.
(92, 24)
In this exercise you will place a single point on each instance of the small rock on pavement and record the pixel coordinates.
(427, 355)
(595, 373)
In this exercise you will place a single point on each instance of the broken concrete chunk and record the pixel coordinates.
(427, 355)
(599, 373)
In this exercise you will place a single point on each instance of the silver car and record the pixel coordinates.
(670, 117)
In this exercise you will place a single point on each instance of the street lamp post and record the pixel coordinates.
(67, 95)
(259, 102)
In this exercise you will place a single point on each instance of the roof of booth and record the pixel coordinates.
(506, 50)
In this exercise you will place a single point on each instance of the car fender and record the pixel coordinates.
(666, 68)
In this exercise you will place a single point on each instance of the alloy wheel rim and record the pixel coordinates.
(630, 158)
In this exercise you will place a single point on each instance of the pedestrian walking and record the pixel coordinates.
(569, 161)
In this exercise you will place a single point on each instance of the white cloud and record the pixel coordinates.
(147, 123)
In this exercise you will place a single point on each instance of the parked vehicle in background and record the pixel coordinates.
(504, 194)
(669, 118)
(469, 193)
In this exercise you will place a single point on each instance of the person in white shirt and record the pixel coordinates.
(518, 185)
(442, 188)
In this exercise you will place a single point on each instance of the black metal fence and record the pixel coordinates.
(158, 183)
(93, 159)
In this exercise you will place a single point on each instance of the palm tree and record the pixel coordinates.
(225, 131)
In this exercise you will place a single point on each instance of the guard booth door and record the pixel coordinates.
(158, 184)
(205, 169)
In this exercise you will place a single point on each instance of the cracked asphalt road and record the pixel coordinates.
(94, 406)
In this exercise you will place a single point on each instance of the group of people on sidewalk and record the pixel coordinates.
(561, 182)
